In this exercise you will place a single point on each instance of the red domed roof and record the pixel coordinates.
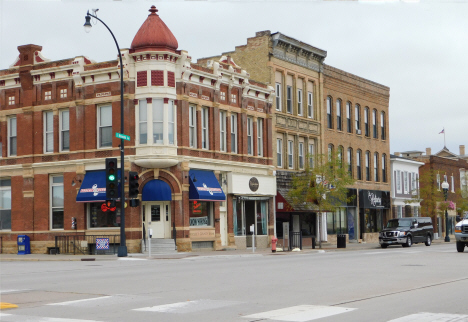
(154, 35)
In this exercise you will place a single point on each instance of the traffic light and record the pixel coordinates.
(111, 179)
(133, 184)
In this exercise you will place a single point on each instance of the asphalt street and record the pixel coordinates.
(394, 284)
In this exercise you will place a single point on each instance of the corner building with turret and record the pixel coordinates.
(200, 141)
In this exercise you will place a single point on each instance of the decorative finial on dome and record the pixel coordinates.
(153, 11)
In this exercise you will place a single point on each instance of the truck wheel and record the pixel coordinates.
(428, 240)
(409, 242)
(383, 245)
(460, 247)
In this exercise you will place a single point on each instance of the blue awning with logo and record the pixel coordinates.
(156, 190)
(93, 188)
(204, 186)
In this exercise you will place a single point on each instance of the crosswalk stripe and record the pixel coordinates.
(80, 301)
(21, 318)
(300, 313)
(188, 306)
(432, 317)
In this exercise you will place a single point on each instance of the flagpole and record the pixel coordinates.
(444, 137)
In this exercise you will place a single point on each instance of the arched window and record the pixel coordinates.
(376, 166)
(382, 125)
(367, 166)
(339, 126)
(330, 151)
(329, 112)
(357, 118)
(384, 166)
(366, 121)
(348, 116)
(340, 156)
(350, 162)
(358, 165)
(374, 124)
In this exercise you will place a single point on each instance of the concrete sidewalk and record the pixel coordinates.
(326, 247)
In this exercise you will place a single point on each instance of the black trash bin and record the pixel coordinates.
(341, 241)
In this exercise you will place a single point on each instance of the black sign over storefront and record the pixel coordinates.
(374, 199)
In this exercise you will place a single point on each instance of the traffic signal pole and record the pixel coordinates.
(122, 250)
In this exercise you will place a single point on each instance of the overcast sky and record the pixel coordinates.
(418, 49)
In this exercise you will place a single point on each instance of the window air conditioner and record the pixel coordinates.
(358, 131)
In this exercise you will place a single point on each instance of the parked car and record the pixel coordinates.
(461, 234)
(407, 231)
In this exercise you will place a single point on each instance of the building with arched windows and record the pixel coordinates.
(200, 141)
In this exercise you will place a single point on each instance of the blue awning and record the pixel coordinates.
(93, 188)
(156, 190)
(204, 186)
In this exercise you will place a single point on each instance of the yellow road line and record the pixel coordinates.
(4, 306)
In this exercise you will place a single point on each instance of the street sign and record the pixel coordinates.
(122, 136)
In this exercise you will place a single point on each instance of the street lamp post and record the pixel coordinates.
(122, 250)
(445, 188)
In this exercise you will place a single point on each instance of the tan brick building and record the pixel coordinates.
(200, 142)
(306, 89)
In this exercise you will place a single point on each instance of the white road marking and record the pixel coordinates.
(188, 306)
(13, 291)
(300, 313)
(21, 318)
(432, 317)
(80, 301)
(222, 256)
(131, 259)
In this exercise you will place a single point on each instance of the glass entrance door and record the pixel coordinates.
(158, 216)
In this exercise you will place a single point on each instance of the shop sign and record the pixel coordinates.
(374, 199)
(253, 184)
(202, 234)
(102, 243)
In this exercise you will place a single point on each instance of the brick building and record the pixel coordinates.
(200, 142)
(309, 94)
(355, 126)
(449, 167)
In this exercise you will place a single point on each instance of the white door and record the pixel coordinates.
(158, 217)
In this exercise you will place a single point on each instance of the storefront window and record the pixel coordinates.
(200, 213)
(102, 219)
(248, 213)
(262, 207)
(239, 226)
(373, 220)
(337, 222)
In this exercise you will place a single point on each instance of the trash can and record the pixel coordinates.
(341, 241)
(24, 245)
(313, 242)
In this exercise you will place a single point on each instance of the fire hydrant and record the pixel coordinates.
(273, 244)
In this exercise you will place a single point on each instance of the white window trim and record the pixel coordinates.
(61, 130)
(63, 93)
(250, 135)
(45, 132)
(10, 136)
(260, 137)
(357, 119)
(289, 100)
(290, 154)
(301, 155)
(234, 132)
(339, 118)
(7, 188)
(299, 102)
(278, 96)
(170, 106)
(163, 121)
(51, 185)
(47, 95)
(405, 182)
(205, 128)
(438, 182)
(311, 154)
(279, 151)
(453, 184)
(11, 100)
(193, 126)
(222, 131)
(310, 105)
(139, 122)
(99, 126)
(398, 181)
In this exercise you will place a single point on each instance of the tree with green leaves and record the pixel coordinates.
(323, 186)
(428, 196)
